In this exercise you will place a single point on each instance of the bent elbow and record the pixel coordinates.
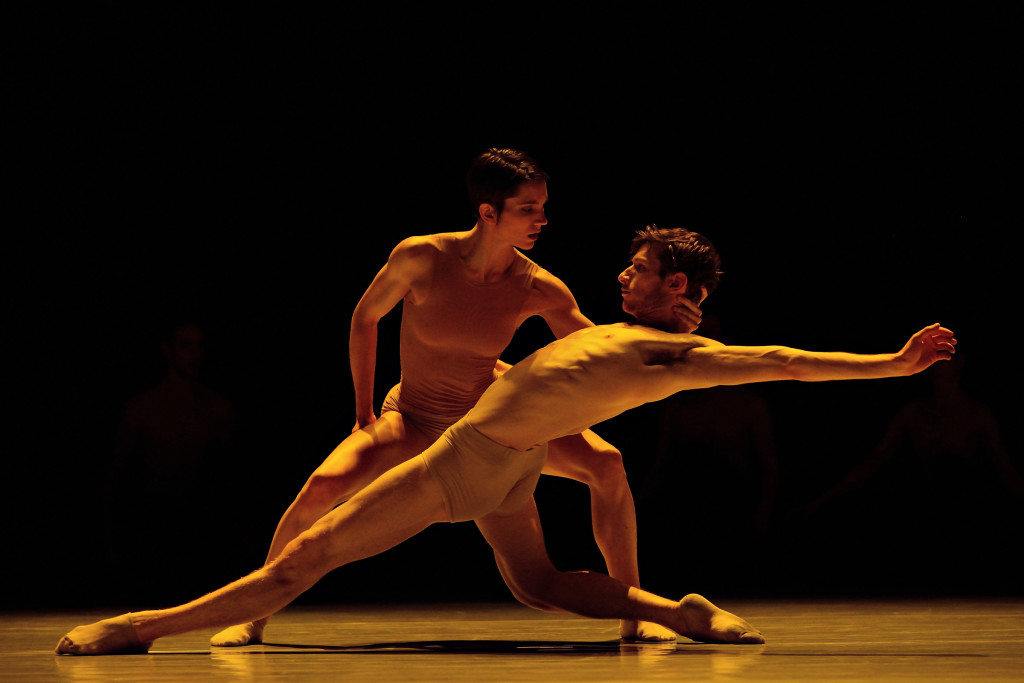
(786, 362)
(363, 320)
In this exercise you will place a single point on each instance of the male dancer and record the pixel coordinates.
(486, 465)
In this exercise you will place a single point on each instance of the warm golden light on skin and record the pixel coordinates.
(646, 294)
(586, 377)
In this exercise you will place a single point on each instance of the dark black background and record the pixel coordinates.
(254, 169)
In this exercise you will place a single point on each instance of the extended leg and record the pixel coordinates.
(398, 505)
(356, 462)
(590, 459)
(518, 544)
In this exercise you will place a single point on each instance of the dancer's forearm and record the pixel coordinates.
(712, 365)
(363, 361)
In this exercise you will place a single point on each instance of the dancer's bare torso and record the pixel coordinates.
(585, 378)
(455, 327)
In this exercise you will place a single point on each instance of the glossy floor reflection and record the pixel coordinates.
(813, 640)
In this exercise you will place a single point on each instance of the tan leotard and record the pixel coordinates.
(452, 337)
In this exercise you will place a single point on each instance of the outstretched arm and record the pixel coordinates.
(726, 365)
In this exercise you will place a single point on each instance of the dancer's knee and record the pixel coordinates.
(606, 471)
(301, 564)
(536, 589)
(285, 575)
(533, 596)
(323, 491)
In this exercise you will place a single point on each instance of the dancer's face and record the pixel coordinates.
(523, 216)
(185, 353)
(645, 293)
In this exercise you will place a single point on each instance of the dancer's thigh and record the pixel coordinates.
(395, 506)
(369, 452)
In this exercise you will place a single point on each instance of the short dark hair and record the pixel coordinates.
(495, 175)
(682, 251)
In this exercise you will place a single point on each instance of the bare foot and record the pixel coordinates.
(645, 631)
(242, 634)
(107, 637)
(706, 623)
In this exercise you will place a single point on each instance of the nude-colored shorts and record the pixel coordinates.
(479, 476)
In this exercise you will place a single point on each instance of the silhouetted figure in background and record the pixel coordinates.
(946, 493)
(171, 455)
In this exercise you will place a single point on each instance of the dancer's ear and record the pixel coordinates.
(488, 214)
(677, 282)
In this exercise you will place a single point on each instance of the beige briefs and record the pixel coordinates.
(479, 476)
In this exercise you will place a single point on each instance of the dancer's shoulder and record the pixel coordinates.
(419, 251)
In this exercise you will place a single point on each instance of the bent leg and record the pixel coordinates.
(590, 459)
(518, 543)
(397, 506)
(358, 460)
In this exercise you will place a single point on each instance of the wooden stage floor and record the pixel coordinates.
(808, 640)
